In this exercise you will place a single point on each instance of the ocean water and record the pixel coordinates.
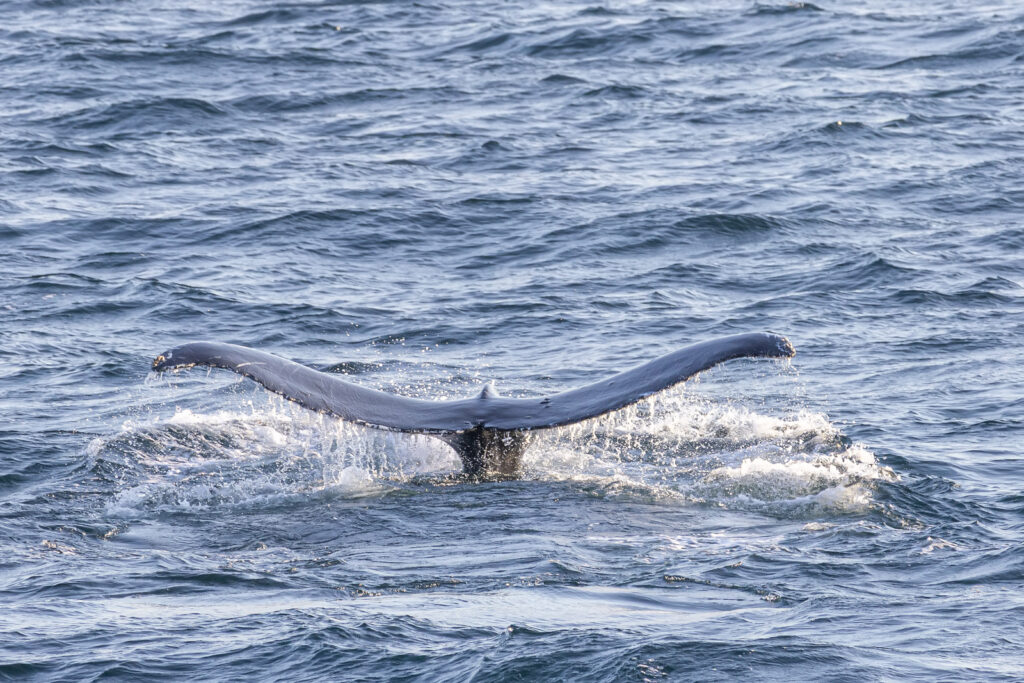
(425, 196)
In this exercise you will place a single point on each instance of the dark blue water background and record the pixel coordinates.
(425, 196)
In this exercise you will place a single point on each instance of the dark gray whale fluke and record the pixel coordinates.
(489, 431)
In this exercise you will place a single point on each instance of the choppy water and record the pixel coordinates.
(428, 195)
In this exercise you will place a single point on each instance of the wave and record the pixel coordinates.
(143, 115)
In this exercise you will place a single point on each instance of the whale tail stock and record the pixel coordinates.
(489, 432)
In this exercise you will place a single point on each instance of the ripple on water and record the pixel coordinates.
(432, 196)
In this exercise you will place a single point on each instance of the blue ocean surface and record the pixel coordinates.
(426, 196)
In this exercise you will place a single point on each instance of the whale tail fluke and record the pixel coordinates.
(487, 431)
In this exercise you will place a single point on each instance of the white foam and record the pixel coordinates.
(938, 544)
(722, 455)
(672, 449)
(704, 420)
(774, 479)
(277, 454)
